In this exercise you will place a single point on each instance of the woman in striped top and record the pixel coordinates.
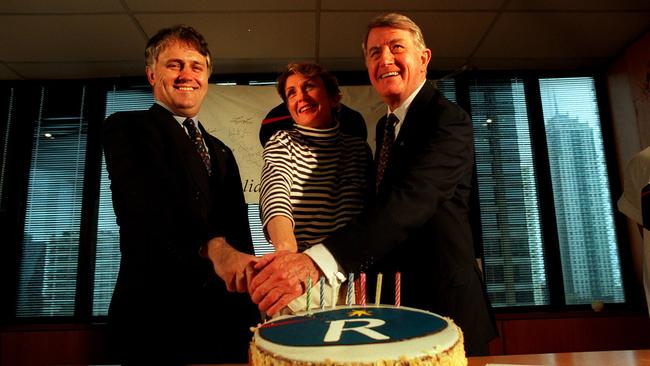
(315, 178)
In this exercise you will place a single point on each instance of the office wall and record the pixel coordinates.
(628, 83)
(520, 334)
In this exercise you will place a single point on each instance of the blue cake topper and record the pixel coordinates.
(352, 325)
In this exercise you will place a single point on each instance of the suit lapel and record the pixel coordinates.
(187, 154)
(416, 111)
(409, 131)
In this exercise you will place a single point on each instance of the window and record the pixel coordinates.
(48, 265)
(507, 189)
(514, 240)
(583, 202)
(4, 142)
(542, 191)
(259, 241)
(107, 255)
(448, 88)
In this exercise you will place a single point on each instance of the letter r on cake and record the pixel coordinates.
(337, 327)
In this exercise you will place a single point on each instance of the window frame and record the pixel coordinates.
(530, 79)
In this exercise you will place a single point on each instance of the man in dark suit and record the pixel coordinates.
(180, 207)
(418, 224)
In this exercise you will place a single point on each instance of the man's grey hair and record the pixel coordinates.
(399, 21)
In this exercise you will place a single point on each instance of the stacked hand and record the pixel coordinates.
(272, 281)
(232, 266)
(279, 278)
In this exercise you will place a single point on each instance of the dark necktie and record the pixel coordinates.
(197, 140)
(386, 146)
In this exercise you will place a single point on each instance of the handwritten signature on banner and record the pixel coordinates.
(233, 114)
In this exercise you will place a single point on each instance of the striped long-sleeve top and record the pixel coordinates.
(318, 178)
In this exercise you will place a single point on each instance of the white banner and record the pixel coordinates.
(234, 115)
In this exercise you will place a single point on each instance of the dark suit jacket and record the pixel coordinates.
(419, 223)
(168, 303)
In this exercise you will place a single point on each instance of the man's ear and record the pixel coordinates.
(425, 57)
(150, 75)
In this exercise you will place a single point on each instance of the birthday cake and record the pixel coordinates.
(359, 335)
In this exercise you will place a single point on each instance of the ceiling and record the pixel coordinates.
(63, 39)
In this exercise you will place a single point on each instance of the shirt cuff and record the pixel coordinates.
(326, 263)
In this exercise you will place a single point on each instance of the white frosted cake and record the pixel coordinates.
(355, 335)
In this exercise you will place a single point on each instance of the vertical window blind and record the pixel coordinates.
(507, 188)
(107, 253)
(5, 144)
(48, 263)
(448, 88)
(262, 246)
(583, 201)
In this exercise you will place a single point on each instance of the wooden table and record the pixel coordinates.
(605, 358)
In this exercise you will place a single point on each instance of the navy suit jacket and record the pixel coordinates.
(168, 297)
(419, 224)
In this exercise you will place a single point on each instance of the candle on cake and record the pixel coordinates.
(334, 292)
(398, 285)
(378, 289)
(362, 289)
(322, 292)
(309, 295)
(348, 300)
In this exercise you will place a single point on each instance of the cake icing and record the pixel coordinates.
(358, 335)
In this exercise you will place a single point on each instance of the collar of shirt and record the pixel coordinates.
(400, 111)
(179, 119)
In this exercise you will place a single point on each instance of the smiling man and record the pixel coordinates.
(183, 223)
(418, 224)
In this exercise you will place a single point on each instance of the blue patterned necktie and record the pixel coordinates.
(386, 146)
(197, 140)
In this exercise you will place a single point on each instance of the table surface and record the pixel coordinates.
(604, 358)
